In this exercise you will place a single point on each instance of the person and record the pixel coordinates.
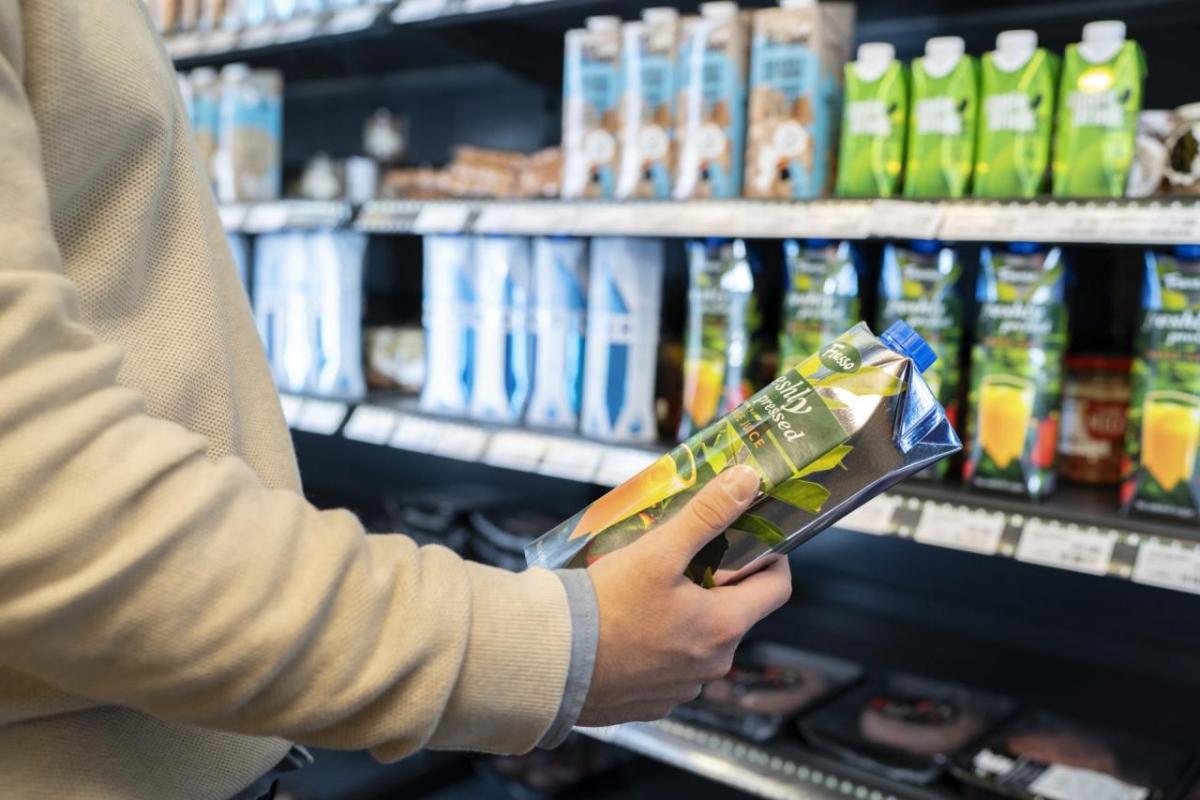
(173, 613)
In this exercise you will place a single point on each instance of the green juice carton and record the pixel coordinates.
(1162, 464)
(874, 124)
(941, 124)
(1017, 369)
(711, 110)
(820, 296)
(591, 62)
(1018, 82)
(722, 318)
(920, 283)
(1099, 101)
(848, 422)
(647, 126)
(797, 57)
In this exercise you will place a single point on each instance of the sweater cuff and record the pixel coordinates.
(585, 636)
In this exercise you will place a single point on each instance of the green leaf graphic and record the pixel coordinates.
(826, 462)
(805, 495)
(760, 528)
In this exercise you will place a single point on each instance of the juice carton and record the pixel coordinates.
(1017, 370)
(559, 308)
(1018, 83)
(797, 58)
(1162, 464)
(1099, 101)
(820, 296)
(920, 284)
(647, 132)
(941, 125)
(874, 125)
(711, 112)
(590, 77)
(449, 318)
(721, 321)
(624, 297)
(848, 422)
(503, 350)
(248, 161)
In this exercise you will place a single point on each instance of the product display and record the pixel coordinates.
(825, 437)
(1018, 86)
(768, 685)
(797, 57)
(624, 300)
(247, 162)
(711, 109)
(1162, 469)
(1040, 756)
(941, 125)
(449, 319)
(1095, 404)
(903, 726)
(503, 358)
(721, 322)
(1016, 370)
(647, 104)
(820, 296)
(1099, 101)
(875, 124)
(590, 93)
(558, 311)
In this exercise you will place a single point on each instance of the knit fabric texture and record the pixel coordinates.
(172, 611)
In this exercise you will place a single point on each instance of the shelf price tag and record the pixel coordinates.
(873, 516)
(619, 464)
(515, 450)
(571, 459)
(297, 29)
(233, 216)
(292, 407)
(321, 416)
(183, 45)
(371, 424)
(266, 217)
(462, 442)
(1053, 545)
(973, 530)
(417, 434)
(258, 36)
(442, 218)
(349, 20)
(913, 220)
(1168, 566)
(417, 10)
(477, 6)
(220, 41)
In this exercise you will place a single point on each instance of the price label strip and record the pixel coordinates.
(515, 450)
(349, 20)
(371, 424)
(321, 416)
(298, 29)
(906, 218)
(442, 218)
(571, 459)
(1053, 545)
(874, 516)
(260, 36)
(1168, 566)
(417, 434)
(461, 442)
(960, 528)
(266, 217)
(417, 10)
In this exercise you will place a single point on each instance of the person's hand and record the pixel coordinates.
(662, 636)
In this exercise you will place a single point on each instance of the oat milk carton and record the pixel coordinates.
(590, 78)
(647, 134)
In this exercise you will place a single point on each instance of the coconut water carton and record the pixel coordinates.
(874, 124)
(941, 125)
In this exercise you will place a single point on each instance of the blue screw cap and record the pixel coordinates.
(907, 342)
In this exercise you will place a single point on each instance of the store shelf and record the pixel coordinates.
(779, 773)
(285, 215)
(1076, 529)
(189, 48)
(1114, 222)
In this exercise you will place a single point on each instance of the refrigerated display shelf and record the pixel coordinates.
(1146, 222)
(770, 771)
(1077, 529)
(190, 48)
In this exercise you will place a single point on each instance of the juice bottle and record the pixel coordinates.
(721, 319)
(1018, 83)
(624, 298)
(941, 125)
(1017, 369)
(874, 125)
(1162, 465)
(1099, 101)
(920, 284)
(820, 296)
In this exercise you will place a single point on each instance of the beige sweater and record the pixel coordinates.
(171, 609)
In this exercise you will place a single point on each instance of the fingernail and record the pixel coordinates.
(741, 482)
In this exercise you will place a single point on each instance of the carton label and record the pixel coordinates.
(939, 115)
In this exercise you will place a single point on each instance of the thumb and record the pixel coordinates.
(709, 513)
